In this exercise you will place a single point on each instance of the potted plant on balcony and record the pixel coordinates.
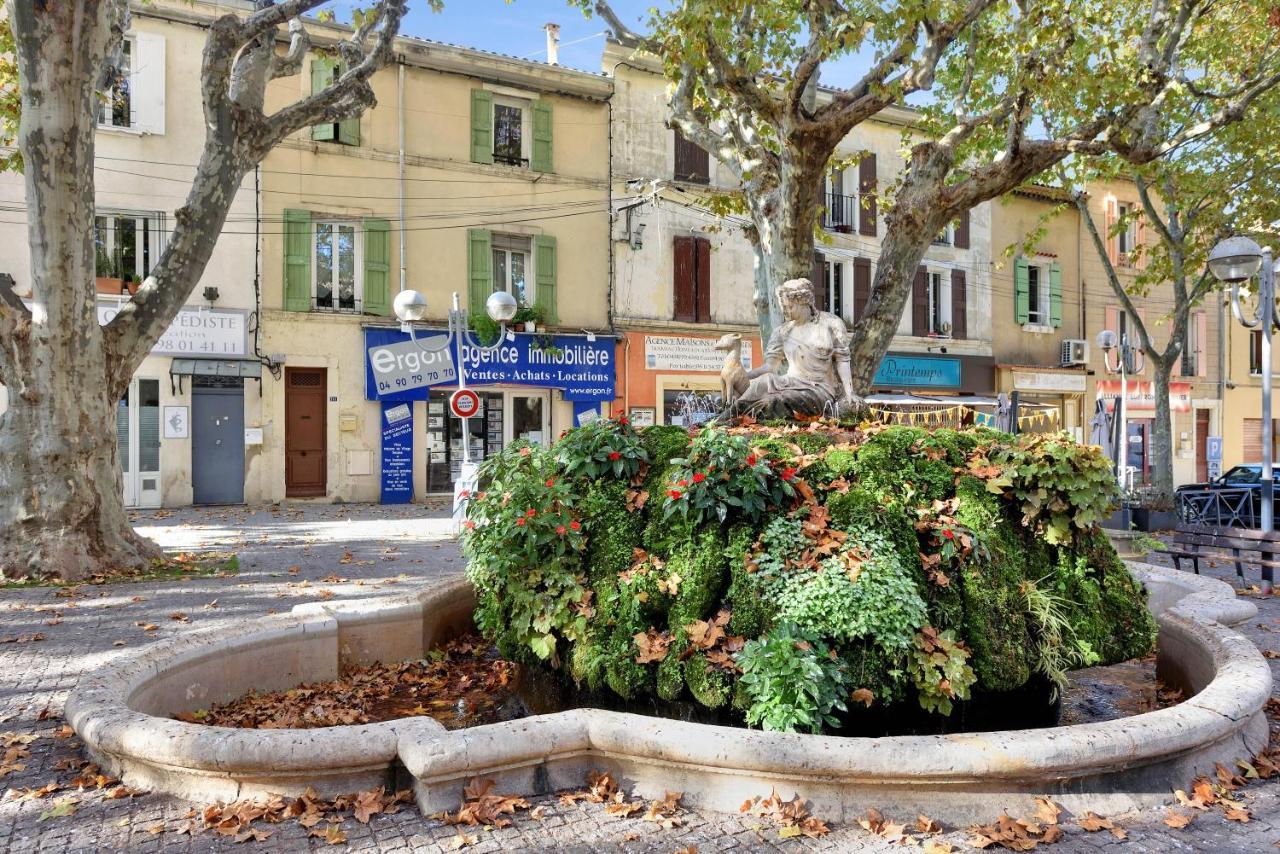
(530, 317)
(106, 281)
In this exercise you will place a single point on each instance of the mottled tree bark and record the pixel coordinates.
(61, 491)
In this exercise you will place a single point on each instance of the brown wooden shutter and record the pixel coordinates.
(920, 303)
(861, 286)
(818, 278)
(702, 285)
(685, 304)
(962, 231)
(959, 306)
(1251, 439)
(867, 195)
(692, 163)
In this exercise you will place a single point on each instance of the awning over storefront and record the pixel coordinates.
(243, 368)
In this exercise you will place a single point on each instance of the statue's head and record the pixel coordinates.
(795, 296)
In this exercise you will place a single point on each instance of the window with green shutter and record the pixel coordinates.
(324, 71)
(481, 126)
(1021, 290)
(377, 267)
(479, 269)
(544, 262)
(542, 149)
(297, 260)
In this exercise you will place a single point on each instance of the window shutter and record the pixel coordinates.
(377, 266)
(702, 281)
(691, 161)
(962, 231)
(148, 83)
(867, 195)
(479, 269)
(920, 303)
(542, 137)
(349, 131)
(1202, 344)
(818, 280)
(861, 286)
(321, 76)
(1055, 294)
(685, 302)
(481, 126)
(1109, 223)
(959, 305)
(297, 260)
(1021, 291)
(544, 251)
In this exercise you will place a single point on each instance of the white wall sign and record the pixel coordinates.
(642, 416)
(253, 435)
(1048, 381)
(176, 423)
(681, 353)
(196, 331)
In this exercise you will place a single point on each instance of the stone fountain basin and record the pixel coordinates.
(122, 712)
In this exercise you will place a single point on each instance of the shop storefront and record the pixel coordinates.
(946, 375)
(1061, 390)
(530, 388)
(1140, 408)
(675, 379)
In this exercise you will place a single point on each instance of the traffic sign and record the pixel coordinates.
(464, 403)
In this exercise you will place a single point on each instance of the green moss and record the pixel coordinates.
(1119, 627)
(700, 563)
(995, 621)
(871, 668)
(671, 670)
(622, 674)
(709, 685)
(858, 509)
(776, 448)
(812, 442)
(751, 612)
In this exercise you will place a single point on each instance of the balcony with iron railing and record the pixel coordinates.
(841, 213)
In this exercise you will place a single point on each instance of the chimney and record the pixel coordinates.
(553, 43)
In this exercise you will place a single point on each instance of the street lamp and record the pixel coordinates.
(1236, 260)
(1129, 360)
(411, 307)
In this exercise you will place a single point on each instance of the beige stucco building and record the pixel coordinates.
(503, 166)
(181, 425)
(1242, 395)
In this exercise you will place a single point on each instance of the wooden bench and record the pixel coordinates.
(1244, 545)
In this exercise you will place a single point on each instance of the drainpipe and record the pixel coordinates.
(400, 97)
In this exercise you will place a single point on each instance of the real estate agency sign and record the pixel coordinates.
(196, 331)
(1141, 395)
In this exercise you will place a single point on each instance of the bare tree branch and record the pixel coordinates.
(290, 63)
(623, 34)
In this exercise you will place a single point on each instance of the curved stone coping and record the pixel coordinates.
(1105, 766)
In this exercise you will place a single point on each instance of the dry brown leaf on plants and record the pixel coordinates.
(1177, 820)
(652, 645)
(864, 696)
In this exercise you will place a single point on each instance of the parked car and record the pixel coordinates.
(1244, 476)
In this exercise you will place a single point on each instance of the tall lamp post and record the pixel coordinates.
(411, 307)
(1128, 360)
(1236, 260)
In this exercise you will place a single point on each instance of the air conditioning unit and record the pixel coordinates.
(1074, 352)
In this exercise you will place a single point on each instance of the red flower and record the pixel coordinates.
(615, 455)
(520, 522)
(682, 482)
(751, 459)
(531, 512)
(480, 496)
(575, 525)
(788, 473)
(525, 451)
(466, 493)
(469, 525)
(560, 529)
(551, 481)
(699, 477)
(623, 421)
(675, 493)
(949, 534)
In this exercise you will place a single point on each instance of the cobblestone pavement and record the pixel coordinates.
(391, 550)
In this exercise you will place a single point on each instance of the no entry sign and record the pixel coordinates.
(464, 403)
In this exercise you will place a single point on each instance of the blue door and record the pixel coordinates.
(217, 440)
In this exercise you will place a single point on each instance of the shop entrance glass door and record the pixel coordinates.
(504, 417)
(138, 442)
(528, 418)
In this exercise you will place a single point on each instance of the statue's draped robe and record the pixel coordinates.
(811, 386)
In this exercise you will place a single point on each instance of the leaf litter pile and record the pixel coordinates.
(462, 684)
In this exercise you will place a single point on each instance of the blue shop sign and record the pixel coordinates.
(396, 369)
(397, 452)
(928, 371)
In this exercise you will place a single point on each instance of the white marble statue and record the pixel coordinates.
(815, 346)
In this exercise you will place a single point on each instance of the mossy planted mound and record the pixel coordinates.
(804, 577)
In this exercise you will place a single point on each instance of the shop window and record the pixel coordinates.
(687, 407)
(511, 265)
(692, 163)
(337, 266)
(126, 245)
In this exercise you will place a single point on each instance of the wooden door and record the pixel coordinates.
(304, 432)
(1202, 440)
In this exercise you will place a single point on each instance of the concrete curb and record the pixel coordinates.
(1105, 767)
